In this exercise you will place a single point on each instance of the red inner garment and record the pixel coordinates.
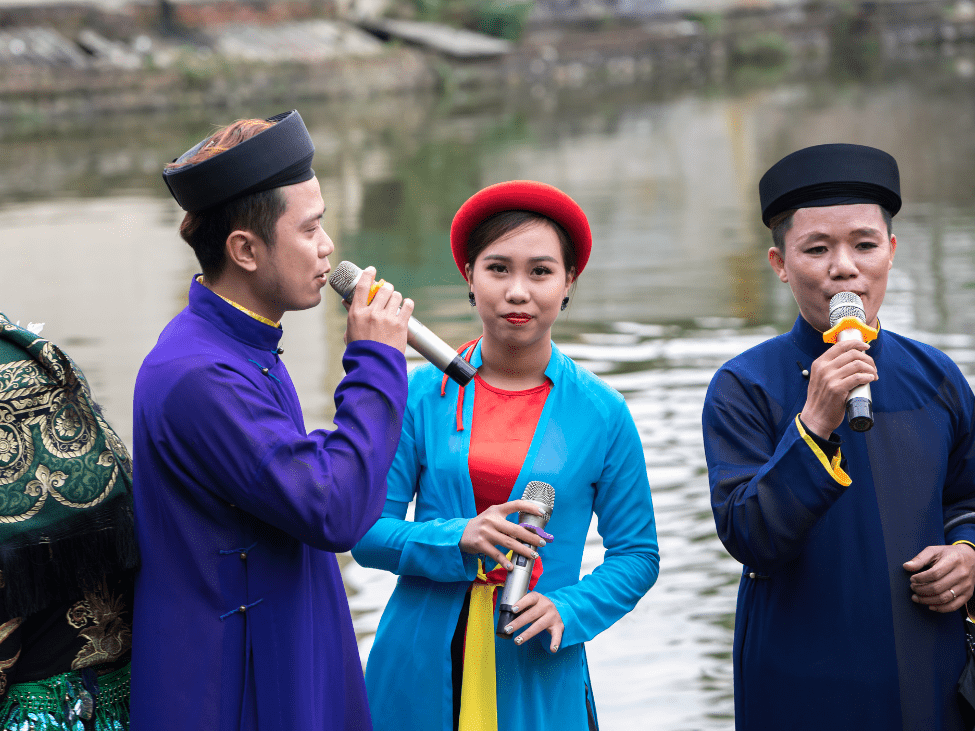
(501, 433)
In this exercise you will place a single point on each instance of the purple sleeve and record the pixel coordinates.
(231, 436)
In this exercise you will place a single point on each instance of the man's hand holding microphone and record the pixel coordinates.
(842, 374)
(377, 313)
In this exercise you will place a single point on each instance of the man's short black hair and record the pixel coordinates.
(207, 231)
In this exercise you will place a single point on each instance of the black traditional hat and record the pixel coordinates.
(277, 156)
(830, 175)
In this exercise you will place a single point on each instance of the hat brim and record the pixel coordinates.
(521, 195)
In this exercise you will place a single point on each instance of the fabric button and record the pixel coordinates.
(280, 351)
(805, 373)
(242, 609)
(265, 371)
(243, 556)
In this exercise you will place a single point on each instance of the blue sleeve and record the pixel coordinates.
(326, 489)
(959, 491)
(408, 548)
(767, 493)
(626, 523)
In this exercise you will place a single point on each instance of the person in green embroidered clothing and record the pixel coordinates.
(67, 546)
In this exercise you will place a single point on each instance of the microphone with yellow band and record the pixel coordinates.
(846, 320)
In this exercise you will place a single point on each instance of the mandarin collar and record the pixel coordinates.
(238, 325)
(810, 341)
(552, 370)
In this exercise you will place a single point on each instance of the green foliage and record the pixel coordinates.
(855, 40)
(430, 9)
(503, 19)
(763, 49)
(499, 18)
(711, 22)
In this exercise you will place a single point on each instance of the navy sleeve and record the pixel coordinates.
(959, 492)
(829, 446)
(767, 490)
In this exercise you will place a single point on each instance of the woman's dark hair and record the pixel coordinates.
(782, 223)
(207, 231)
(501, 224)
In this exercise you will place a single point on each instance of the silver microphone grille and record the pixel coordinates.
(540, 492)
(344, 277)
(845, 304)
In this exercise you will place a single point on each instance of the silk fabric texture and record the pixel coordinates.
(241, 617)
(588, 448)
(826, 634)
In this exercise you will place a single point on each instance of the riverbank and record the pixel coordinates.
(73, 61)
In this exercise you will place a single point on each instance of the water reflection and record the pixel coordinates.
(677, 284)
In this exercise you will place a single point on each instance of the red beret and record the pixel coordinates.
(521, 195)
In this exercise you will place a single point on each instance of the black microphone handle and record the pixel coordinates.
(859, 405)
(859, 411)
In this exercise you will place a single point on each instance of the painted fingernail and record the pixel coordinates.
(555, 648)
(509, 566)
(514, 609)
(508, 630)
(541, 542)
(534, 554)
(518, 640)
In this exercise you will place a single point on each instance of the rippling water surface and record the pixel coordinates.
(678, 282)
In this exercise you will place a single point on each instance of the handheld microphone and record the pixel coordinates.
(516, 583)
(435, 350)
(859, 407)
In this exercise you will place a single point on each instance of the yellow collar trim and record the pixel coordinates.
(251, 313)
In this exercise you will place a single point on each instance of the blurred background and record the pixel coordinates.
(657, 116)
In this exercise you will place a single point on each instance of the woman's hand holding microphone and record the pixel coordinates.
(490, 529)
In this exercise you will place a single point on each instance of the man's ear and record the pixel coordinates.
(243, 249)
(777, 262)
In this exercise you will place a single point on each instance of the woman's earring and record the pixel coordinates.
(470, 296)
(565, 303)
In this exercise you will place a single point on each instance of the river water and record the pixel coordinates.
(677, 284)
